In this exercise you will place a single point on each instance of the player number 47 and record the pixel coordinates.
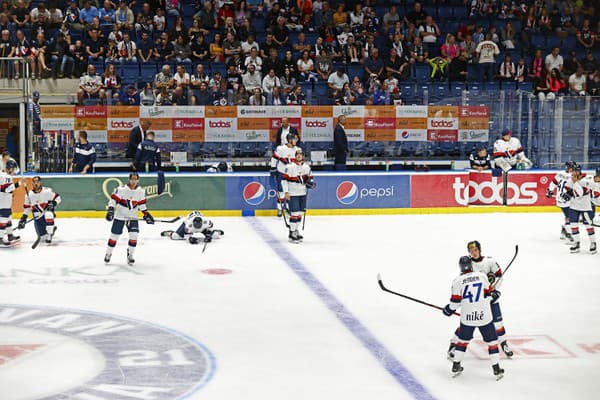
(468, 295)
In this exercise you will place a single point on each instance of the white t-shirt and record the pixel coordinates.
(338, 81)
(577, 82)
(185, 79)
(553, 62)
(487, 50)
(308, 65)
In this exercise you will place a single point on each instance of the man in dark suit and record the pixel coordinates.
(340, 144)
(283, 131)
(137, 135)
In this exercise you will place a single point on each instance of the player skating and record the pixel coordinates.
(580, 209)
(42, 202)
(594, 185)
(562, 198)
(194, 223)
(283, 155)
(508, 152)
(123, 208)
(472, 293)
(488, 266)
(7, 188)
(296, 179)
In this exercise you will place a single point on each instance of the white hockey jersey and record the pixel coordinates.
(469, 293)
(7, 187)
(128, 202)
(487, 265)
(580, 200)
(294, 178)
(3, 166)
(594, 190)
(188, 222)
(511, 151)
(282, 156)
(558, 182)
(38, 202)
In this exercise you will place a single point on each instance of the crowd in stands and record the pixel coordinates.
(255, 52)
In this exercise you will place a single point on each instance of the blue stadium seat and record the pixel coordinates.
(218, 67)
(553, 41)
(147, 72)
(321, 90)
(445, 13)
(438, 91)
(494, 86)
(569, 42)
(355, 70)
(422, 73)
(456, 88)
(538, 40)
(474, 72)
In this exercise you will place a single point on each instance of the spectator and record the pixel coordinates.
(145, 48)
(276, 97)
(231, 46)
(20, 15)
(252, 79)
(340, 144)
(594, 86)
(390, 18)
(289, 62)
(336, 81)
(506, 70)
(164, 79)
(34, 112)
(116, 35)
(373, 65)
(199, 49)
(486, 52)
(418, 52)
(480, 160)
(202, 96)
(457, 69)
(391, 83)
(112, 53)
(507, 35)
(88, 13)
(300, 45)
(111, 83)
(178, 29)
(107, 14)
(521, 71)
(324, 66)
(7, 49)
(417, 16)
(577, 84)
(240, 97)
(216, 49)
(571, 63)
(215, 80)
(344, 97)
(281, 34)
(144, 21)
(164, 97)
(357, 87)
(94, 47)
(90, 86)
(130, 96)
(265, 48)
(38, 60)
(554, 60)
(195, 30)
(198, 77)
(553, 87)
(127, 50)
(234, 79)
(544, 22)
(228, 27)
(537, 66)
(288, 81)
(180, 97)
(254, 59)
(296, 97)
(273, 62)
(182, 50)
(72, 16)
(147, 97)
(164, 50)
(224, 13)
(306, 68)
(257, 99)
(80, 59)
(207, 18)
(589, 64)
(85, 155)
(269, 82)
(182, 78)
(241, 13)
(380, 95)
(372, 25)
(245, 30)
(464, 30)
(172, 8)
(159, 20)
(40, 17)
(249, 44)
(24, 50)
(340, 17)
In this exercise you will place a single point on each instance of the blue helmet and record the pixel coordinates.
(465, 264)
(35, 94)
(11, 164)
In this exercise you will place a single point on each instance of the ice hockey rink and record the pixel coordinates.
(256, 317)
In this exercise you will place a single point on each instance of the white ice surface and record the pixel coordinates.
(274, 338)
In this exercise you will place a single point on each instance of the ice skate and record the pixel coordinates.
(509, 353)
(575, 248)
(107, 257)
(12, 238)
(450, 352)
(279, 212)
(293, 237)
(498, 372)
(593, 249)
(49, 235)
(457, 369)
(130, 260)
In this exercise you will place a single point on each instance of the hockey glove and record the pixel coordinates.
(22, 222)
(549, 193)
(273, 173)
(566, 196)
(310, 184)
(208, 237)
(491, 278)
(495, 294)
(110, 214)
(193, 240)
(447, 310)
(51, 205)
(148, 218)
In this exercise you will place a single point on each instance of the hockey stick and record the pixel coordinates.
(204, 247)
(166, 221)
(408, 297)
(508, 266)
(285, 210)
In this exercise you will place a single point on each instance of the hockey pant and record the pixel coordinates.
(508, 163)
(5, 222)
(117, 229)
(497, 321)
(586, 218)
(465, 335)
(565, 211)
(280, 193)
(179, 234)
(297, 206)
(45, 225)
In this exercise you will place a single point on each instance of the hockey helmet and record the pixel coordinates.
(569, 165)
(197, 222)
(465, 264)
(506, 132)
(11, 164)
(576, 168)
(290, 137)
(134, 175)
(474, 243)
(598, 171)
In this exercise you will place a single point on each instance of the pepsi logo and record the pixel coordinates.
(405, 134)
(347, 192)
(254, 193)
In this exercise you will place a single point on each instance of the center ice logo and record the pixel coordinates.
(158, 363)
(254, 193)
(347, 192)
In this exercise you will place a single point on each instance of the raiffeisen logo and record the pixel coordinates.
(490, 192)
(348, 192)
(254, 193)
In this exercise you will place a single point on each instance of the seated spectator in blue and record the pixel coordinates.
(480, 160)
(130, 97)
(88, 13)
(296, 97)
(202, 96)
(94, 47)
(380, 95)
(107, 14)
(85, 155)
(147, 155)
(219, 94)
(373, 65)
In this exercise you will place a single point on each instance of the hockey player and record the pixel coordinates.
(472, 292)
(488, 266)
(562, 199)
(41, 201)
(7, 187)
(508, 152)
(594, 185)
(282, 156)
(123, 209)
(295, 180)
(580, 207)
(193, 223)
